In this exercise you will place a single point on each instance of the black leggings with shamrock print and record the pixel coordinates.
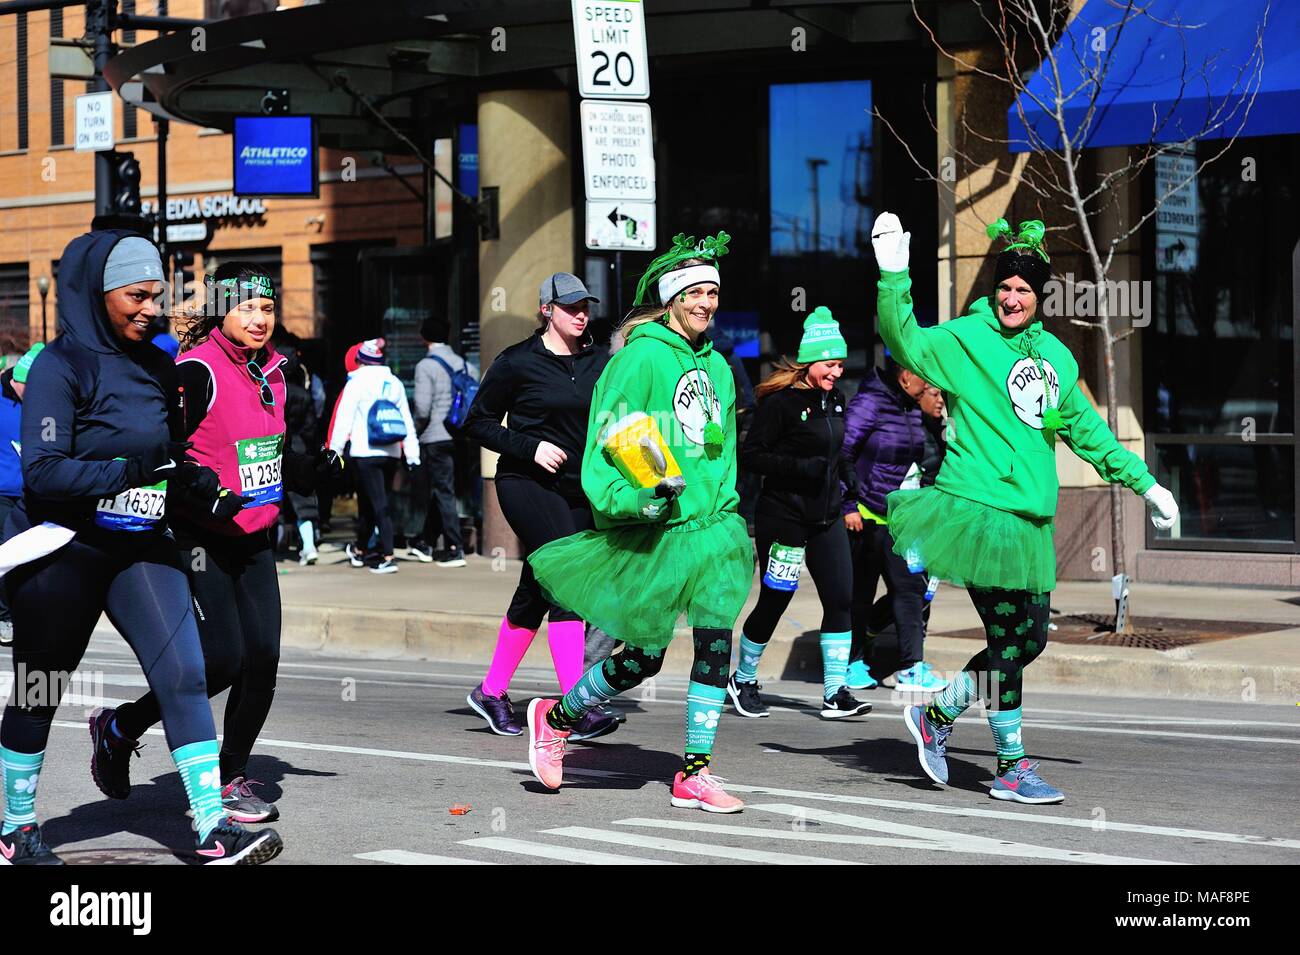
(1015, 628)
(631, 665)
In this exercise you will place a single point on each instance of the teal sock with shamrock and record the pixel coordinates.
(1007, 738)
(953, 700)
(835, 661)
(200, 768)
(21, 773)
(703, 710)
(591, 690)
(750, 652)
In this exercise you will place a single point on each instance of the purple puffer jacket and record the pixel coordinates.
(883, 437)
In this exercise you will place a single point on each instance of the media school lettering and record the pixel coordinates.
(208, 207)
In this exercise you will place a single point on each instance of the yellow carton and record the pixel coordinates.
(637, 448)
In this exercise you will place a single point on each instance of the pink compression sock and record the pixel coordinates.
(567, 639)
(512, 643)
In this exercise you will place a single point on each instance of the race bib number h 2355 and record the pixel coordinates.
(260, 469)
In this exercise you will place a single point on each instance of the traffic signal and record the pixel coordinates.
(124, 189)
(183, 275)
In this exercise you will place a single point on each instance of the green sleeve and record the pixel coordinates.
(1088, 436)
(933, 353)
(606, 488)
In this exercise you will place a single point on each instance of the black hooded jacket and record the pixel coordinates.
(91, 399)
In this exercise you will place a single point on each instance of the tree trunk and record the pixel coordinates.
(1119, 564)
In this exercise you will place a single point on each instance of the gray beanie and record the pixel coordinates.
(134, 259)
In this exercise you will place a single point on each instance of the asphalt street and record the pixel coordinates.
(366, 757)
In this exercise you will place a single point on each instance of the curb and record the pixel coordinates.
(468, 638)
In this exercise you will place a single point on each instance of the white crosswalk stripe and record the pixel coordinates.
(693, 848)
(403, 857)
(560, 853)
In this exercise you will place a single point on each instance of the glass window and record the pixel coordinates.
(1244, 491)
(1219, 354)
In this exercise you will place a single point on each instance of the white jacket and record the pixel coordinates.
(365, 386)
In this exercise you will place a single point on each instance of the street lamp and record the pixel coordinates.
(43, 286)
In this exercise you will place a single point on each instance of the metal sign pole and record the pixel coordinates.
(618, 287)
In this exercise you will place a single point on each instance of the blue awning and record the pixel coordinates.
(1171, 70)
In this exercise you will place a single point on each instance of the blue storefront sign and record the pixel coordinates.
(275, 156)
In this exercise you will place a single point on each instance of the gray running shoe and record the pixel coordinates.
(243, 805)
(931, 743)
(1021, 783)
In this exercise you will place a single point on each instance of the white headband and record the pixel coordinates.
(674, 282)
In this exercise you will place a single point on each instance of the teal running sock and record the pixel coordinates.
(591, 690)
(1007, 738)
(750, 652)
(835, 662)
(703, 710)
(953, 700)
(21, 773)
(200, 769)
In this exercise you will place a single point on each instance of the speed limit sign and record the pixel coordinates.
(610, 40)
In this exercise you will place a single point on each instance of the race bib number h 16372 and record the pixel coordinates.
(135, 509)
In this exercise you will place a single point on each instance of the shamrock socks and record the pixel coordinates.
(750, 652)
(591, 690)
(201, 773)
(1005, 725)
(835, 661)
(21, 772)
(703, 710)
(953, 700)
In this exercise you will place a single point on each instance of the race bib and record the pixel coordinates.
(784, 565)
(135, 509)
(260, 459)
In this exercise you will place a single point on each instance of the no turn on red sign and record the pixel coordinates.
(610, 40)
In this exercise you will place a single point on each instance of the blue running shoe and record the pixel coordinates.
(859, 677)
(1021, 783)
(931, 743)
(918, 678)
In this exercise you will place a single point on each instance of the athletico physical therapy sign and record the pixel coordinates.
(275, 156)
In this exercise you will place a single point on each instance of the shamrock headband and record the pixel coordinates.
(1030, 237)
(668, 279)
(1024, 254)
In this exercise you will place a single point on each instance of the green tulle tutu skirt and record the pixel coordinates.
(971, 544)
(635, 582)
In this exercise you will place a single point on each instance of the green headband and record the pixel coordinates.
(1032, 233)
(710, 249)
(256, 286)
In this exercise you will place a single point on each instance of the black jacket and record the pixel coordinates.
(91, 399)
(794, 443)
(548, 398)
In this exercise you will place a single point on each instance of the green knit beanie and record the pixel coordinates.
(25, 363)
(821, 340)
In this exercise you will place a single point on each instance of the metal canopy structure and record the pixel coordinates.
(403, 56)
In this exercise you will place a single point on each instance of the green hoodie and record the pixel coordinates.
(659, 373)
(998, 453)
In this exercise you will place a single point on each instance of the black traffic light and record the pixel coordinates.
(124, 191)
(183, 272)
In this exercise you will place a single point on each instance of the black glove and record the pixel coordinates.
(227, 505)
(198, 482)
(669, 488)
(156, 464)
(329, 466)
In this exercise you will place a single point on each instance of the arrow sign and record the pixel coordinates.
(618, 226)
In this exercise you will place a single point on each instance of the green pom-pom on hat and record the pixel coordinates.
(821, 340)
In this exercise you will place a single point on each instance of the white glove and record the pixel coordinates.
(1163, 505)
(890, 242)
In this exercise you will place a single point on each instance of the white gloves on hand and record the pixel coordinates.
(1163, 505)
(890, 242)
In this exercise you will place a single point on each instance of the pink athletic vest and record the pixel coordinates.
(241, 438)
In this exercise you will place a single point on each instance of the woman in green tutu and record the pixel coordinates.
(660, 471)
(986, 523)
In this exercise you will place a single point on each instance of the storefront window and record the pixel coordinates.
(1219, 356)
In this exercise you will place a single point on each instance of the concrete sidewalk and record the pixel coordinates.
(430, 612)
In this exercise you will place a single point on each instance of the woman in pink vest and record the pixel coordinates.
(232, 395)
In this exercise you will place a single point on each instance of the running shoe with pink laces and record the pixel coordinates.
(703, 791)
(545, 745)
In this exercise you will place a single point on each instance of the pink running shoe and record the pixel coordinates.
(545, 745)
(703, 791)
